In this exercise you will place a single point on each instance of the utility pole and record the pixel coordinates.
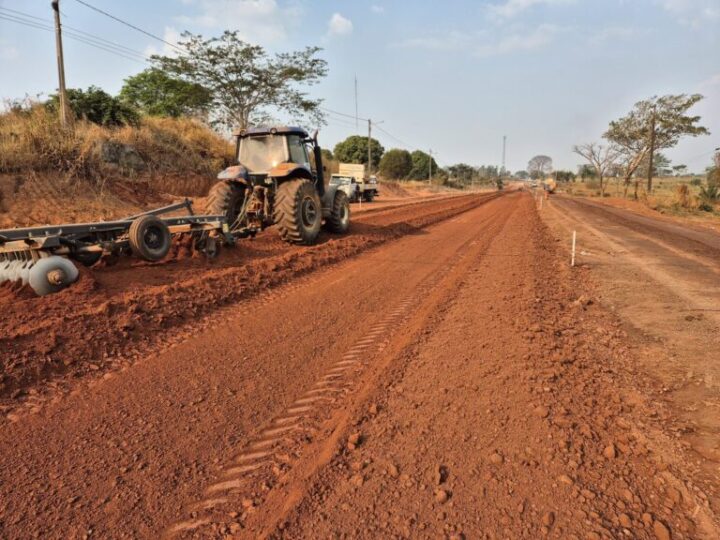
(369, 167)
(370, 123)
(652, 150)
(502, 171)
(65, 118)
(430, 152)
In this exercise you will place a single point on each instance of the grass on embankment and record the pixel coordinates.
(108, 169)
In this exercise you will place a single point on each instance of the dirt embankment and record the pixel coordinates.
(114, 314)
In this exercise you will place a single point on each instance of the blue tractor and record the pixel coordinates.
(280, 180)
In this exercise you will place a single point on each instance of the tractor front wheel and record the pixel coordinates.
(339, 219)
(298, 212)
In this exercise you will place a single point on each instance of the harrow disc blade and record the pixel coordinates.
(17, 270)
(52, 274)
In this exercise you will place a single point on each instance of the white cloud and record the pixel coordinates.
(692, 12)
(339, 25)
(483, 44)
(377, 9)
(255, 20)
(171, 35)
(512, 8)
(525, 41)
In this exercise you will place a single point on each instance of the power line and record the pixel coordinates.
(351, 116)
(339, 122)
(130, 25)
(403, 143)
(71, 30)
(92, 41)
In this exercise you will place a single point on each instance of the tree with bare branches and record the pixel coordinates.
(540, 166)
(653, 124)
(602, 158)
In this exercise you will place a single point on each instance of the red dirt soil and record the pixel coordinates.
(458, 380)
(115, 312)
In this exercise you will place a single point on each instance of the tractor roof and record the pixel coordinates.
(267, 130)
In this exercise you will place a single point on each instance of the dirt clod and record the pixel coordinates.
(661, 531)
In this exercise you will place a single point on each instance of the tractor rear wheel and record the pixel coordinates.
(339, 219)
(226, 199)
(298, 212)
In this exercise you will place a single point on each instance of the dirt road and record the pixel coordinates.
(663, 281)
(457, 380)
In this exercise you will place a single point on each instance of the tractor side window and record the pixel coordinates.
(298, 153)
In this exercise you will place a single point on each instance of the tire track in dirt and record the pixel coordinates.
(265, 462)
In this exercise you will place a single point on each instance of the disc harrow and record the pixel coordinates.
(42, 257)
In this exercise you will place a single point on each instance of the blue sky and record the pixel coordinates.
(452, 76)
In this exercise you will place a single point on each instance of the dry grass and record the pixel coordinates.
(32, 140)
(677, 196)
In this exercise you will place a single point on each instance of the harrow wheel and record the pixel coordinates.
(149, 238)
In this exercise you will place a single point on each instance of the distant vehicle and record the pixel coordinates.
(533, 183)
(352, 181)
(549, 185)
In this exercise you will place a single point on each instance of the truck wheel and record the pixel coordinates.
(369, 196)
(149, 238)
(226, 199)
(298, 212)
(339, 219)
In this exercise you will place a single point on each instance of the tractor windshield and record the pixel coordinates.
(260, 154)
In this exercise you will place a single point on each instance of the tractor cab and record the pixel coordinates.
(265, 154)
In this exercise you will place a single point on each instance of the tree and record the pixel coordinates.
(354, 149)
(539, 166)
(422, 166)
(564, 176)
(679, 170)
(96, 106)
(522, 175)
(247, 85)
(156, 93)
(396, 164)
(327, 154)
(661, 166)
(488, 171)
(601, 159)
(586, 171)
(653, 124)
(463, 173)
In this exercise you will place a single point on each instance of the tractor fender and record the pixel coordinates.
(328, 199)
(236, 172)
(284, 170)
